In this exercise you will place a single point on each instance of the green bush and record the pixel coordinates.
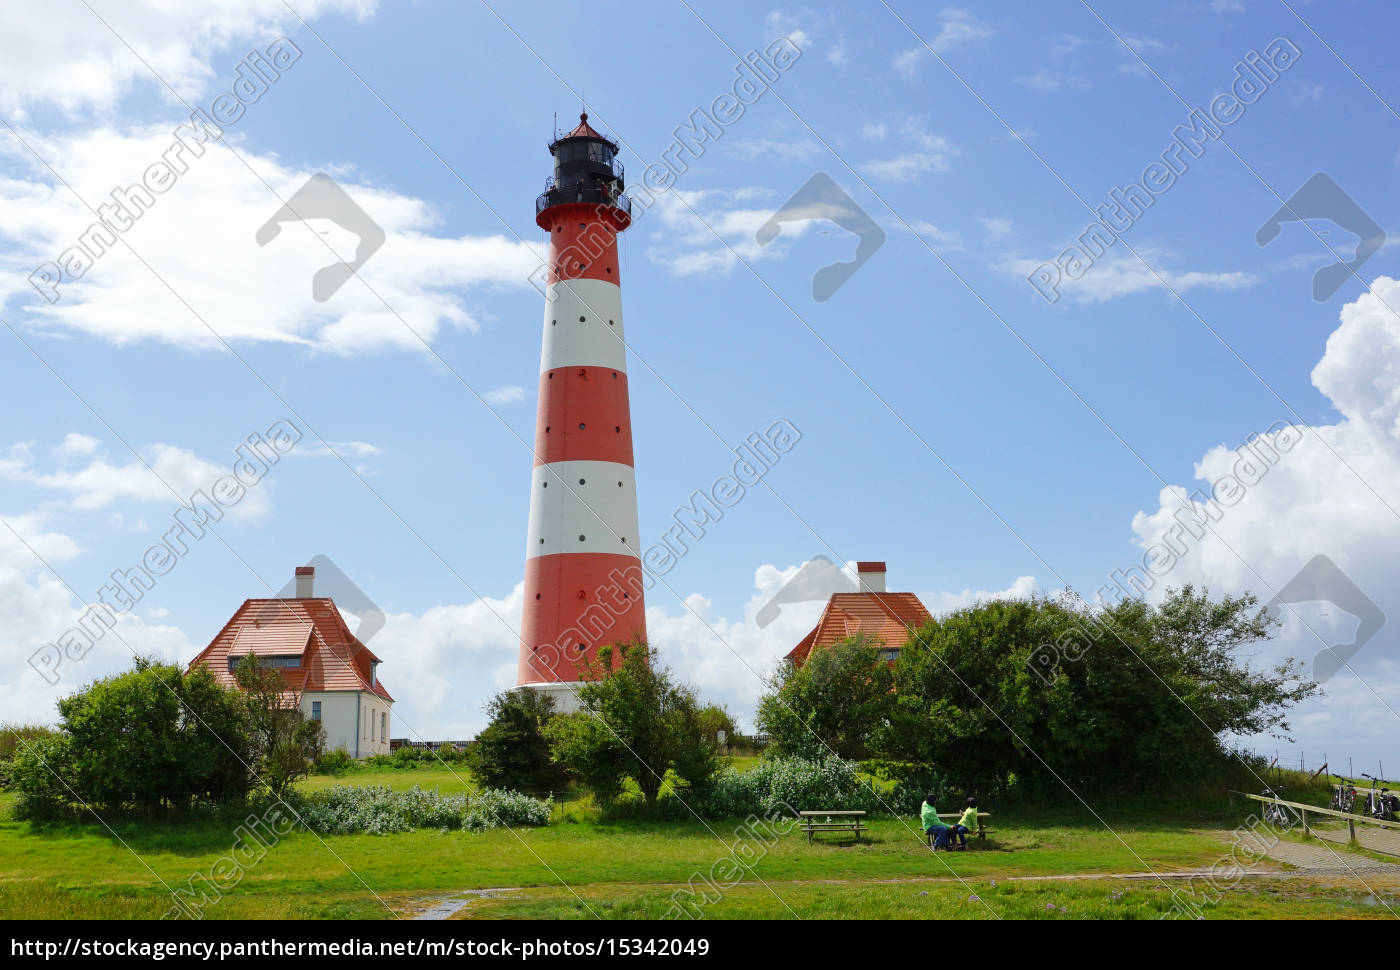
(511, 751)
(148, 739)
(379, 810)
(39, 774)
(783, 786)
(335, 762)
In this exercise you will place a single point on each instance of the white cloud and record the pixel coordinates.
(937, 603)
(1117, 276)
(998, 229)
(685, 242)
(39, 608)
(1336, 493)
(928, 153)
(942, 238)
(510, 394)
(100, 483)
(956, 26)
(199, 238)
(64, 55)
(787, 149)
(76, 445)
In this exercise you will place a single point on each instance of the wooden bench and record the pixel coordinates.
(848, 822)
(982, 829)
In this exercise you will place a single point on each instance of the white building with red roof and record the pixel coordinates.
(330, 675)
(888, 618)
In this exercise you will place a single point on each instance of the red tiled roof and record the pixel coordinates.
(584, 130)
(885, 616)
(331, 657)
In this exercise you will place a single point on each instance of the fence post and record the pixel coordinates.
(1351, 825)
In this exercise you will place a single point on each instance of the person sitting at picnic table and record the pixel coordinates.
(928, 815)
(965, 824)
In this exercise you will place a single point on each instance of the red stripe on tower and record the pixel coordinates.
(583, 576)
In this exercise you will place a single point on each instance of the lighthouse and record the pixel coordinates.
(583, 576)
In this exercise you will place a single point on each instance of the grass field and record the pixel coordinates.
(632, 868)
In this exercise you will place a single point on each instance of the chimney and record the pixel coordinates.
(872, 576)
(306, 577)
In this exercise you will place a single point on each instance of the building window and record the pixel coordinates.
(315, 710)
(890, 654)
(373, 736)
(289, 660)
(384, 727)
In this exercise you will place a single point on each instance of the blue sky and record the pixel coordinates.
(954, 423)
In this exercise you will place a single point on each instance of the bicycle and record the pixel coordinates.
(1344, 795)
(1380, 804)
(1275, 813)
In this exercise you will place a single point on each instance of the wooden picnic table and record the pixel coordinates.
(848, 822)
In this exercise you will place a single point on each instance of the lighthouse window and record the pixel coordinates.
(580, 481)
(581, 425)
(610, 323)
(580, 538)
(546, 429)
(617, 428)
(544, 484)
(619, 484)
(580, 319)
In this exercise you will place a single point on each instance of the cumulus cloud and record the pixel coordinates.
(65, 55)
(172, 476)
(197, 239)
(39, 607)
(1300, 491)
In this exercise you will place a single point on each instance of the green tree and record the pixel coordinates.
(285, 742)
(511, 751)
(714, 718)
(834, 702)
(147, 739)
(1058, 693)
(638, 723)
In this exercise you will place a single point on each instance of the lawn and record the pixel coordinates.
(632, 868)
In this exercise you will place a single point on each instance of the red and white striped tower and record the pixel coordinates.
(583, 577)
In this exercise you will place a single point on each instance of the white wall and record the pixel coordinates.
(566, 700)
(345, 729)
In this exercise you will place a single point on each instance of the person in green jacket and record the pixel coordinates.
(928, 815)
(965, 824)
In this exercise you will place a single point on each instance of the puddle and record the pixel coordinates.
(447, 908)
